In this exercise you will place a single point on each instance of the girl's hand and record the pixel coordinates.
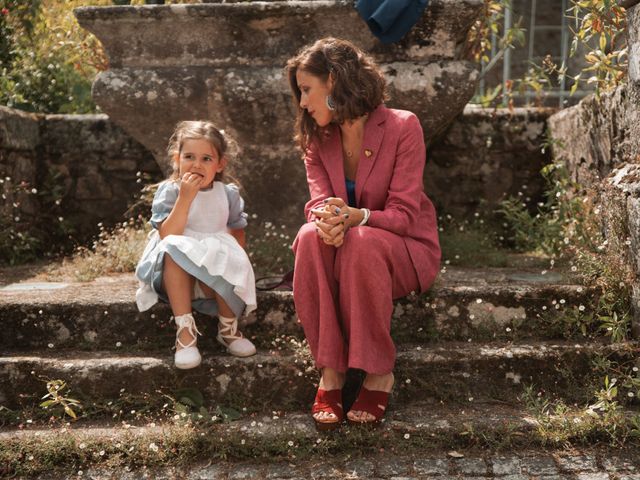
(190, 185)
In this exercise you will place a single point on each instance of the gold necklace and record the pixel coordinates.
(349, 152)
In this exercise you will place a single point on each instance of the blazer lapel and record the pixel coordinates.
(373, 133)
(332, 160)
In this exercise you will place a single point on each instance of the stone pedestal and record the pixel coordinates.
(225, 61)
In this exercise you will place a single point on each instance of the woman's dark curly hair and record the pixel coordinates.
(359, 86)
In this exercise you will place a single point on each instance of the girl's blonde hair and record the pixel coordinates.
(200, 130)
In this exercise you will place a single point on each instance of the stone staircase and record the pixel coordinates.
(475, 354)
(467, 350)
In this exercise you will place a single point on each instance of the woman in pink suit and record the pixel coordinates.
(371, 234)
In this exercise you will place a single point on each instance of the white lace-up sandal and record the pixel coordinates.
(189, 355)
(232, 339)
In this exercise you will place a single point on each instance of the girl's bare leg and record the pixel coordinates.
(223, 308)
(179, 287)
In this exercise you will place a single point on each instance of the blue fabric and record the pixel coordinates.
(351, 193)
(163, 202)
(237, 217)
(390, 20)
(167, 194)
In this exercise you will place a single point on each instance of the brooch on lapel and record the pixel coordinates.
(368, 153)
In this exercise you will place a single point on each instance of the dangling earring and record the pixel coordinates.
(331, 104)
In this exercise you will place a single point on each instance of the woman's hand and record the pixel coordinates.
(190, 185)
(331, 221)
(330, 228)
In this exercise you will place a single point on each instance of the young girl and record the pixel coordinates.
(195, 256)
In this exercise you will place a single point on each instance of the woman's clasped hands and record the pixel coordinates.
(333, 220)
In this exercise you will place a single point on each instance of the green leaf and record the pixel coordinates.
(181, 408)
(187, 401)
(228, 414)
(190, 396)
(70, 412)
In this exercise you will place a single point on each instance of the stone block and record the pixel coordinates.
(393, 466)
(595, 136)
(633, 22)
(470, 466)
(539, 466)
(593, 476)
(213, 472)
(93, 187)
(485, 156)
(252, 33)
(577, 463)
(244, 472)
(359, 468)
(618, 464)
(281, 470)
(128, 165)
(18, 130)
(506, 466)
(431, 466)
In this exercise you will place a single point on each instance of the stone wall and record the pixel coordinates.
(485, 156)
(85, 161)
(19, 140)
(93, 165)
(599, 140)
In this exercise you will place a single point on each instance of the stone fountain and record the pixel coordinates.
(224, 61)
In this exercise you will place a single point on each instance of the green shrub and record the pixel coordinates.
(47, 62)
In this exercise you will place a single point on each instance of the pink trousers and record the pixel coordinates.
(344, 296)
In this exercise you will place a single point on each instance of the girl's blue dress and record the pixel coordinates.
(206, 250)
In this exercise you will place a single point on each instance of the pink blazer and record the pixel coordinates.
(388, 182)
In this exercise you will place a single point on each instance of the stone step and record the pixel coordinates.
(478, 304)
(422, 441)
(285, 377)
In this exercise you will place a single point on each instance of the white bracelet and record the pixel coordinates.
(365, 218)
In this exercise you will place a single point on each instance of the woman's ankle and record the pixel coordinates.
(379, 382)
(331, 379)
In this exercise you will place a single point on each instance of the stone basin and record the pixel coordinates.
(224, 62)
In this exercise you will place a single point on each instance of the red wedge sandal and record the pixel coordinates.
(373, 402)
(329, 401)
